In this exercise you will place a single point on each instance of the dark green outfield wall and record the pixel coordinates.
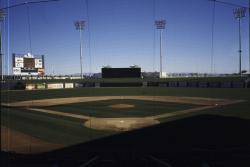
(211, 82)
(20, 95)
(127, 80)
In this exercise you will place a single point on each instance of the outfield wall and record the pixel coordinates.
(22, 85)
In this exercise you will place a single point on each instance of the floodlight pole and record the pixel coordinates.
(80, 26)
(160, 53)
(80, 31)
(242, 8)
(240, 56)
(248, 36)
(1, 52)
(160, 24)
(239, 13)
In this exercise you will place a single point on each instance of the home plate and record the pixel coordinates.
(119, 124)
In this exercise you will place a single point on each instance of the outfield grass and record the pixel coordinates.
(101, 108)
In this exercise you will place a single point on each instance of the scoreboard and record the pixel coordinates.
(121, 72)
(28, 64)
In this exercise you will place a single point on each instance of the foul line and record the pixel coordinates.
(181, 112)
(60, 113)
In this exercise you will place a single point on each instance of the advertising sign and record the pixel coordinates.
(30, 86)
(18, 59)
(18, 64)
(79, 85)
(38, 63)
(16, 71)
(41, 71)
(69, 85)
(29, 73)
(55, 86)
(41, 86)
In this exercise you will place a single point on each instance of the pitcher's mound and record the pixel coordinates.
(121, 106)
(119, 124)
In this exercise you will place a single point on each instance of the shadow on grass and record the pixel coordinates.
(197, 141)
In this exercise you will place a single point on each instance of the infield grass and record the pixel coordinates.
(141, 108)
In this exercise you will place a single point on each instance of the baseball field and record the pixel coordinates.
(43, 120)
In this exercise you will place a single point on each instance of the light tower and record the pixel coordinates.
(239, 13)
(80, 24)
(2, 15)
(160, 25)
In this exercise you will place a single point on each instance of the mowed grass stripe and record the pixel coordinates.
(142, 108)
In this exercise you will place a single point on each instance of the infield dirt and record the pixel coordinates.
(121, 106)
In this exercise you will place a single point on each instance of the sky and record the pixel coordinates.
(121, 33)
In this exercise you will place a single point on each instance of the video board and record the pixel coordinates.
(121, 72)
(28, 64)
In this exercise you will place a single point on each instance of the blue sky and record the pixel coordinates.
(121, 33)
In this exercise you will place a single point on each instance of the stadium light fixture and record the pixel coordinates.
(160, 25)
(239, 13)
(2, 16)
(79, 25)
